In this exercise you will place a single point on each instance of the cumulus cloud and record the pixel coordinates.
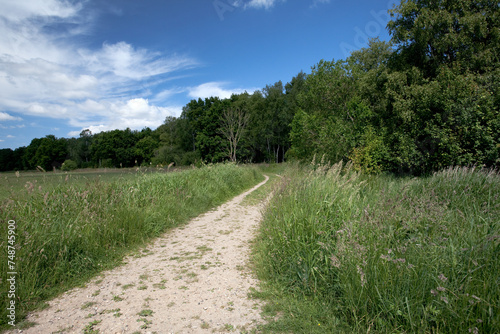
(215, 89)
(44, 72)
(135, 113)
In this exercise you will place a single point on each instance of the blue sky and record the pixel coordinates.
(67, 65)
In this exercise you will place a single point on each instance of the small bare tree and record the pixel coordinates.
(233, 126)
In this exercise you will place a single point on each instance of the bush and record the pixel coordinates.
(69, 165)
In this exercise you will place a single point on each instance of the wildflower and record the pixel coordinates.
(474, 331)
(434, 292)
(442, 278)
(444, 299)
(440, 288)
(410, 266)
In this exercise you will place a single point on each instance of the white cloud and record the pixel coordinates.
(6, 117)
(210, 89)
(135, 114)
(50, 75)
(122, 60)
(21, 10)
(261, 3)
(257, 4)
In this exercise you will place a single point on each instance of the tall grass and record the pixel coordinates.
(343, 252)
(71, 232)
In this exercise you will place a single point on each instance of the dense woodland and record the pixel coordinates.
(427, 99)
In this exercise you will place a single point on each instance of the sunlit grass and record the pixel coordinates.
(343, 252)
(68, 231)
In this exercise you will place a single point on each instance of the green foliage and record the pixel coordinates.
(70, 231)
(69, 165)
(432, 34)
(343, 252)
(429, 102)
(204, 117)
(370, 157)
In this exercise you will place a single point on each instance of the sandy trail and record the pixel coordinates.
(193, 279)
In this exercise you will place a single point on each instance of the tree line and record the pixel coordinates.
(427, 99)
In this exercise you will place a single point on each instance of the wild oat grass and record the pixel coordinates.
(344, 252)
(73, 230)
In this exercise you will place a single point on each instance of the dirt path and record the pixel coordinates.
(194, 279)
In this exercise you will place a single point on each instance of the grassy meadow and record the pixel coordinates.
(342, 252)
(71, 226)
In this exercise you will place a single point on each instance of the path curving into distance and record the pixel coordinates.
(193, 279)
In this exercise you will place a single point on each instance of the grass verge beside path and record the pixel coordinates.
(340, 252)
(73, 231)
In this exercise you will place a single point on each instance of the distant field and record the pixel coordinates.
(12, 183)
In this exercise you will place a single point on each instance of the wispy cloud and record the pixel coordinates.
(257, 4)
(44, 72)
(6, 117)
(22, 10)
(318, 2)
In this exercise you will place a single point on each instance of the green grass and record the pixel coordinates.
(341, 252)
(273, 171)
(70, 227)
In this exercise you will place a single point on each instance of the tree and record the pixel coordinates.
(204, 118)
(6, 159)
(47, 152)
(442, 91)
(233, 126)
(461, 33)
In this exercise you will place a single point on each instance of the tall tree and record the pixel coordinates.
(234, 122)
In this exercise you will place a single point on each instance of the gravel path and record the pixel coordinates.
(194, 279)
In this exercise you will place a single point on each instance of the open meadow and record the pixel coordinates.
(69, 227)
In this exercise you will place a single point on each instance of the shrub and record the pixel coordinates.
(69, 165)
